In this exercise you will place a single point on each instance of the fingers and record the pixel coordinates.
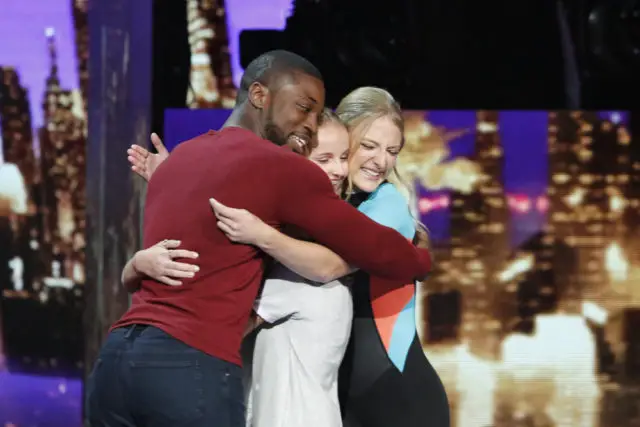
(219, 209)
(138, 151)
(157, 143)
(169, 281)
(142, 172)
(169, 243)
(181, 266)
(136, 166)
(137, 156)
(180, 274)
(135, 159)
(182, 253)
(225, 228)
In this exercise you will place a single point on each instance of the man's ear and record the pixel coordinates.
(258, 95)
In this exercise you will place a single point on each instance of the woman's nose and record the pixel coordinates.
(338, 169)
(381, 161)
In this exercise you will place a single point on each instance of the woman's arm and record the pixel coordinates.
(386, 206)
(157, 262)
(309, 260)
(315, 262)
(131, 277)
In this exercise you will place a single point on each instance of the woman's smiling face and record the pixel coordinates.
(376, 155)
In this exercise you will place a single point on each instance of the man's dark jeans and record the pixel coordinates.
(145, 377)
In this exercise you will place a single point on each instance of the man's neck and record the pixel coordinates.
(241, 118)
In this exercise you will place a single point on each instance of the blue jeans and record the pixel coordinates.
(145, 377)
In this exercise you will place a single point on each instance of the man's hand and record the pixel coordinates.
(143, 162)
(240, 225)
(157, 262)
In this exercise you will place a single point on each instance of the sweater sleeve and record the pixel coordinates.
(306, 200)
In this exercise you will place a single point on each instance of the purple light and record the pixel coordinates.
(25, 27)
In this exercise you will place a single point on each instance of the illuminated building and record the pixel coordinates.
(589, 168)
(62, 151)
(15, 119)
(480, 243)
(24, 184)
(17, 178)
(211, 81)
(530, 287)
(631, 215)
(81, 24)
(441, 308)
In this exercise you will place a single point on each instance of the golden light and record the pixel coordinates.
(595, 312)
(617, 202)
(66, 219)
(424, 156)
(461, 175)
(561, 178)
(13, 190)
(624, 137)
(470, 382)
(516, 267)
(553, 370)
(615, 262)
(486, 127)
(584, 154)
(576, 197)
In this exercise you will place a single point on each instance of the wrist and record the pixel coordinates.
(135, 264)
(266, 239)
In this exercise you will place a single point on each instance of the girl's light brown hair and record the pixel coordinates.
(326, 117)
(358, 110)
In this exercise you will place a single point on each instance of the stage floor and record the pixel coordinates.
(37, 401)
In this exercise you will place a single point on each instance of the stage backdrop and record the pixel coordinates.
(531, 315)
(43, 81)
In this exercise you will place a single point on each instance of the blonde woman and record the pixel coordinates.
(386, 380)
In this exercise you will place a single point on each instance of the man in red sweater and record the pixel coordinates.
(173, 358)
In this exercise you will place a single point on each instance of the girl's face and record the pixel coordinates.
(332, 153)
(376, 155)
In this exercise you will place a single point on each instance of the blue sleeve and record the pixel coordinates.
(388, 207)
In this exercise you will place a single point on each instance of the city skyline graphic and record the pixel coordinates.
(43, 134)
(29, 23)
(530, 315)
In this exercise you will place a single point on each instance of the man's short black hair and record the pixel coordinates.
(271, 66)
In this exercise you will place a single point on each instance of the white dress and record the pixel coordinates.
(294, 371)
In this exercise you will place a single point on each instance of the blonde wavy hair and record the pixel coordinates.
(357, 111)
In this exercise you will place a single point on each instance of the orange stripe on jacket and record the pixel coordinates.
(387, 301)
